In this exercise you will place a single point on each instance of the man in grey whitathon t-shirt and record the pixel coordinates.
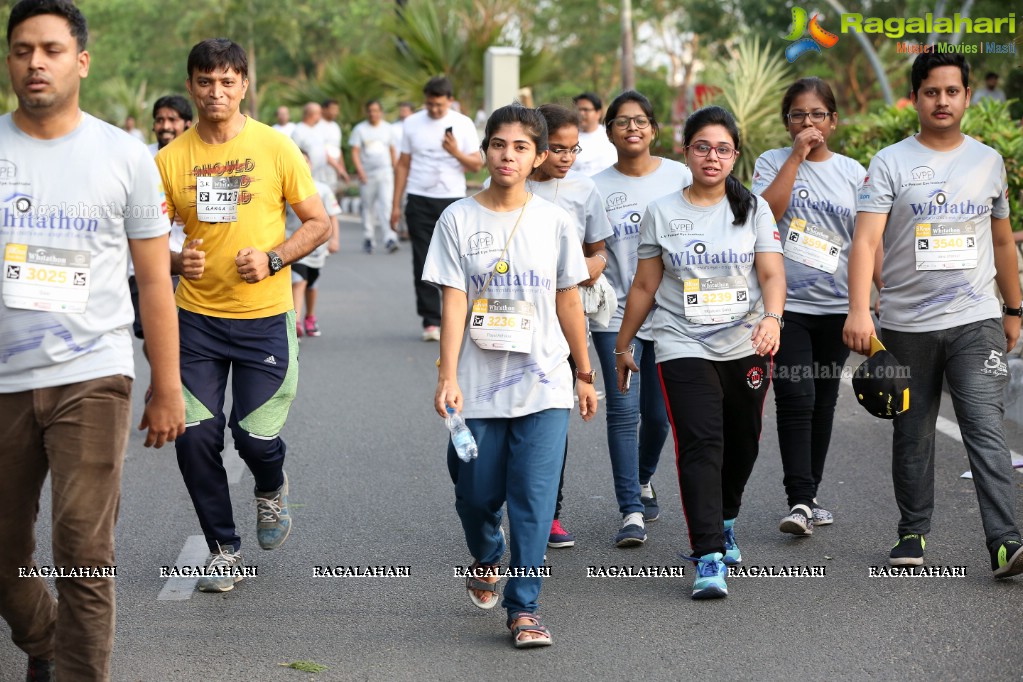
(939, 199)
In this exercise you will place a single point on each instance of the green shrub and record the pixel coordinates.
(987, 121)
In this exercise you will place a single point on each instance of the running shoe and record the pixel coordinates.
(391, 246)
(273, 518)
(821, 516)
(732, 554)
(311, 328)
(431, 333)
(632, 534)
(798, 522)
(710, 577)
(367, 246)
(223, 571)
(298, 329)
(651, 510)
(1007, 560)
(908, 551)
(560, 537)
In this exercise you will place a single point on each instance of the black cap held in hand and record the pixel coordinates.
(881, 383)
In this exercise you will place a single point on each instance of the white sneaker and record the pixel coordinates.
(431, 333)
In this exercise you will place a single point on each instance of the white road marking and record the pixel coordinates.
(194, 553)
(951, 429)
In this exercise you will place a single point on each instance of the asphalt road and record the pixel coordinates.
(369, 486)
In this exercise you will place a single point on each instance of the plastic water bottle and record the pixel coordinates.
(461, 436)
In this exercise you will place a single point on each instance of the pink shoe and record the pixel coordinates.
(310, 327)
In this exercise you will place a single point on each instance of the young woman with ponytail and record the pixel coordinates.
(710, 257)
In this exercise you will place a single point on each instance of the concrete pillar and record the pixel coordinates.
(500, 77)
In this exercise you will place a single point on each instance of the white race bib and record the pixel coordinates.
(216, 199)
(813, 246)
(502, 324)
(44, 278)
(946, 246)
(715, 299)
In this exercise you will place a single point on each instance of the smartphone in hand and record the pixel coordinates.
(449, 131)
(628, 380)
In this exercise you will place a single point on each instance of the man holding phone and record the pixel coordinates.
(438, 147)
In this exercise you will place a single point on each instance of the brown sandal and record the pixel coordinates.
(535, 627)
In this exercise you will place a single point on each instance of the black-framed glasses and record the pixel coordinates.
(622, 122)
(815, 116)
(574, 151)
(703, 149)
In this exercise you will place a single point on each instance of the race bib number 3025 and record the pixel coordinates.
(44, 278)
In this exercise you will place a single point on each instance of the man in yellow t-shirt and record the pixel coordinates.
(228, 178)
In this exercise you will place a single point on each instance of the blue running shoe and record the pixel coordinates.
(273, 518)
(732, 554)
(710, 577)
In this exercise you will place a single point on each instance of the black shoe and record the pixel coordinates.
(1007, 560)
(40, 670)
(909, 551)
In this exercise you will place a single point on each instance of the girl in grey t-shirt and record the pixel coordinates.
(711, 258)
(517, 257)
(812, 193)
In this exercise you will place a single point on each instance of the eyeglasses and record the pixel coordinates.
(622, 122)
(574, 151)
(704, 149)
(815, 116)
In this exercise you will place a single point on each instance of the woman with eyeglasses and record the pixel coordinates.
(710, 258)
(637, 424)
(812, 193)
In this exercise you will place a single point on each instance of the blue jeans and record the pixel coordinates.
(519, 463)
(971, 358)
(634, 444)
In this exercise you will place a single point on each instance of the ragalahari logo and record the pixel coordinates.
(817, 39)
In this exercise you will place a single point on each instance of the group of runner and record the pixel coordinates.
(693, 284)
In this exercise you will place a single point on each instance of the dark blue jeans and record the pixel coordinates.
(637, 423)
(519, 462)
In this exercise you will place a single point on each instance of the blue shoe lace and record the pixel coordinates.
(705, 568)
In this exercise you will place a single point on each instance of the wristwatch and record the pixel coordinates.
(586, 376)
(781, 320)
(276, 262)
(1018, 312)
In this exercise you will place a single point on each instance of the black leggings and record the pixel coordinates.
(808, 372)
(716, 410)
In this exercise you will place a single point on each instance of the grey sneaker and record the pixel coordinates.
(797, 522)
(223, 571)
(273, 519)
(821, 516)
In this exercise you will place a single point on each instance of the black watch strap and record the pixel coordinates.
(1017, 312)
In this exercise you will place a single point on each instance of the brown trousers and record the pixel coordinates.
(78, 433)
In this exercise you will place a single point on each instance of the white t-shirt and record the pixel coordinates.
(939, 207)
(433, 172)
(625, 201)
(331, 132)
(177, 231)
(374, 143)
(310, 140)
(577, 194)
(286, 129)
(318, 257)
(700, 248)
(544, 255)
(598, 153)
(824, 198)
(75, 200)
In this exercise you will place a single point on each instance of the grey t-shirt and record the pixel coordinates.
(598, 153)
(823, 204)
(544, 255)
(67, 210)
(709, 298)
(939, 268)
(625, 200)
(318, 257)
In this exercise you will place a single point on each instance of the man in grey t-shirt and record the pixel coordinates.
(939, 200)
(75, 195)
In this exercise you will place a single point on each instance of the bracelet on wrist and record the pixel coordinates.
(601, 257)
(627, 351)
